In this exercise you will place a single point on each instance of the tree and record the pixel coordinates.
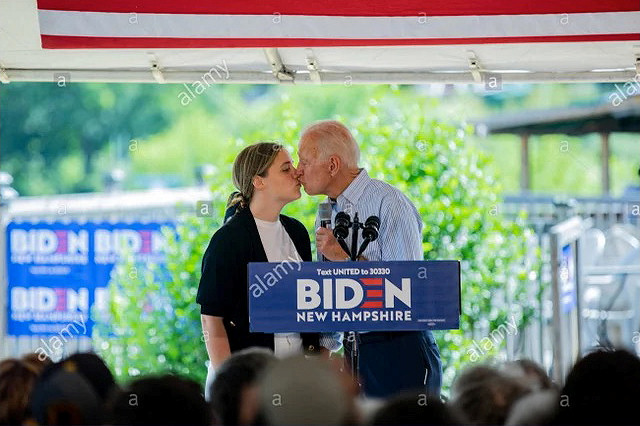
(45, 125)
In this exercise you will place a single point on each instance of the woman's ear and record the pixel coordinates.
(258, 182)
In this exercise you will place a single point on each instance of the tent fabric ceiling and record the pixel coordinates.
(269, 41)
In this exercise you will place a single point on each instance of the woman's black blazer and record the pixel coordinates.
(223, 290)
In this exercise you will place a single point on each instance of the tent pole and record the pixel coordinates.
(605, 155)
(525, 181)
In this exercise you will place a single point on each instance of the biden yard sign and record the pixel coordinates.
(292, 296)
(58, 272)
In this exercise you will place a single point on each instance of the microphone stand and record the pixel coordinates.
(353, 253)
(355, 367)
(355, 227)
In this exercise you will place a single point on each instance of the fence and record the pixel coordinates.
(542, 212)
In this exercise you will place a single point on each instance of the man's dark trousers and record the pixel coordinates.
(392, 362)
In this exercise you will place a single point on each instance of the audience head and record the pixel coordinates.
(414, 408)
(253, 387)
(233, 395)
(484, 395)
(95, 371)
(62, 395)
(298, 390)
(530, 372)
(39, 361)
(535, 408)
(601, 388)
(17, 379)
(161, 400)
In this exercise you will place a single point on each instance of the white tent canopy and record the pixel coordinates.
(368, 42)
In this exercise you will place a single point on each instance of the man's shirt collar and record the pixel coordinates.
(356, 188)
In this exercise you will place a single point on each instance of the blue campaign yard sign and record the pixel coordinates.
(58, 272)
(359, 296)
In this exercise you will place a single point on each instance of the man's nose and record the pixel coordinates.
(297, 172)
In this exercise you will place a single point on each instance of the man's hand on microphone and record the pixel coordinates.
(328, 245)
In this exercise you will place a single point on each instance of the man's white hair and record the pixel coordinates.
(333, 138)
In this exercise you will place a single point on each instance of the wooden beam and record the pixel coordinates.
(604, 158)
(525, 176)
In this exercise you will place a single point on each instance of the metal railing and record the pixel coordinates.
(542, 212)
(545, 210)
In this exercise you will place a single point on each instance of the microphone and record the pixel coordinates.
(341, 230)
(370, 232)
(324, 214)
(343, 222)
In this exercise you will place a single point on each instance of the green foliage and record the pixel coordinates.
(152, 317)
(448, 178)
(66, 139)
(53, 135)
(153, 323)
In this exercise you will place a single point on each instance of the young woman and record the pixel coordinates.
(254, 231)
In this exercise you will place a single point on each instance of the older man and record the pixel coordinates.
(389, 362)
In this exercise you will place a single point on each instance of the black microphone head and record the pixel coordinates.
(371, 226)
(342, 224)
(340, 232)
(373, 221)
(370, 234)
(343, 219)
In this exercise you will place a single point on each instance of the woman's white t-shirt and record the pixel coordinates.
(278, 246)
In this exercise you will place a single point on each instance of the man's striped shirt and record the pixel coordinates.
(400, 236)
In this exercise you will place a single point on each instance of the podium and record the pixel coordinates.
(301, 297)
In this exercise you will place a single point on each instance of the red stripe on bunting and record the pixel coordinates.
(345, 8)
(74, 42)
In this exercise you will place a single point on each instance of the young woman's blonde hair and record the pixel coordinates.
(252, 161)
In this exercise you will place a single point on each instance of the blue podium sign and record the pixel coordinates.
(354, 296)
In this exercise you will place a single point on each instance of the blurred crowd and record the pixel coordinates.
(254, 387)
